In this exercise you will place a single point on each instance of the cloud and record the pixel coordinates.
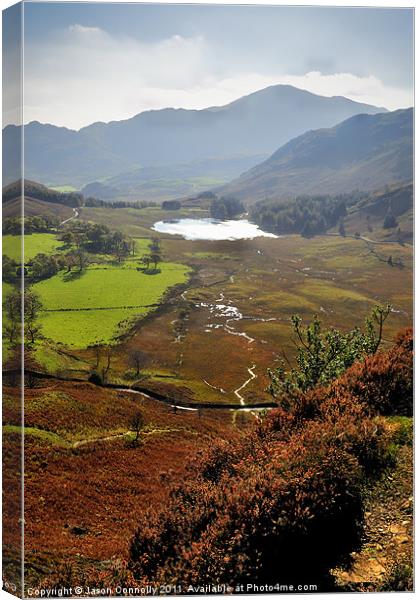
(83, 30)
(84, 75)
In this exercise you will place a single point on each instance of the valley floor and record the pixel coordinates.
(209, 325)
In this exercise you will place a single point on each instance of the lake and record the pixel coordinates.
(211, 229)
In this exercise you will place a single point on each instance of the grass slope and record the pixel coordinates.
(95, 305)
(35, 243)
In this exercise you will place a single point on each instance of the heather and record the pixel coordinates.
(288, 494)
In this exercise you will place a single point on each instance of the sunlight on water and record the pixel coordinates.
(210, 229)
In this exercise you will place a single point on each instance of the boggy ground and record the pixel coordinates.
(213, 336)
(234, 315)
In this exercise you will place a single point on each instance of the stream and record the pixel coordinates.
(243, 386)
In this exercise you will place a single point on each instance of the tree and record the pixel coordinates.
(71, 262)
(323, 355)
(44, 266)
(98, 352)
(390, 221)
(106, 368)
(136, 425)
(171, 205)
(82, 259)
(12, 305)
(137, 360)
(9, 272)
(145, 259)
(155, 259)
(68, 238)
(32, 308)
(342, 229)
(154, 245)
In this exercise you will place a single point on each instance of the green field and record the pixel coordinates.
(35, 243)
(63, 188)
(102, 302)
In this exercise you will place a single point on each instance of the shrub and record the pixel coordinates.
(384, 381)
(95, 378)
(261, 524)
(287, 494)
(323, 355)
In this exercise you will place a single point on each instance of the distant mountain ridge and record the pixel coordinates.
(251, 126)
(364, 152)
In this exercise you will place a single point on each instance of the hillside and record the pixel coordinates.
(40, 192)
(365, 152)
(385, 214)
(158, 183)
(248, 127)
(36, 208)
(39, 201)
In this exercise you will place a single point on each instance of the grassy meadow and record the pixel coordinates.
(102, 301)
(35, 243)
(193, 349)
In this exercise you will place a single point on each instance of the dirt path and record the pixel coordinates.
(389, 529)
(75, 215)
(110, 438)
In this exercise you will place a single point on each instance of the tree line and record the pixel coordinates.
(305, 215)
(80, 243)
(71, 199)
(225, 207)
(37, 224)
(41, 192)
(93, 202)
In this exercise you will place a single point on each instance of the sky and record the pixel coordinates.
(87, 62)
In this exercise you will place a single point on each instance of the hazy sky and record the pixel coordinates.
(89, 62)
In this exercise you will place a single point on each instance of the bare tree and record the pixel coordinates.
(98, 352)
(137, 360)
(136, 425)
(106, 368)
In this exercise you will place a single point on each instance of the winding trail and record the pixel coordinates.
(219, 389)
(110, 438)
(243, 386)
(176, 406)
(74, 216)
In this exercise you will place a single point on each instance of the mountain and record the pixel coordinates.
(168, 182)
(364, 152)
(249, 127)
